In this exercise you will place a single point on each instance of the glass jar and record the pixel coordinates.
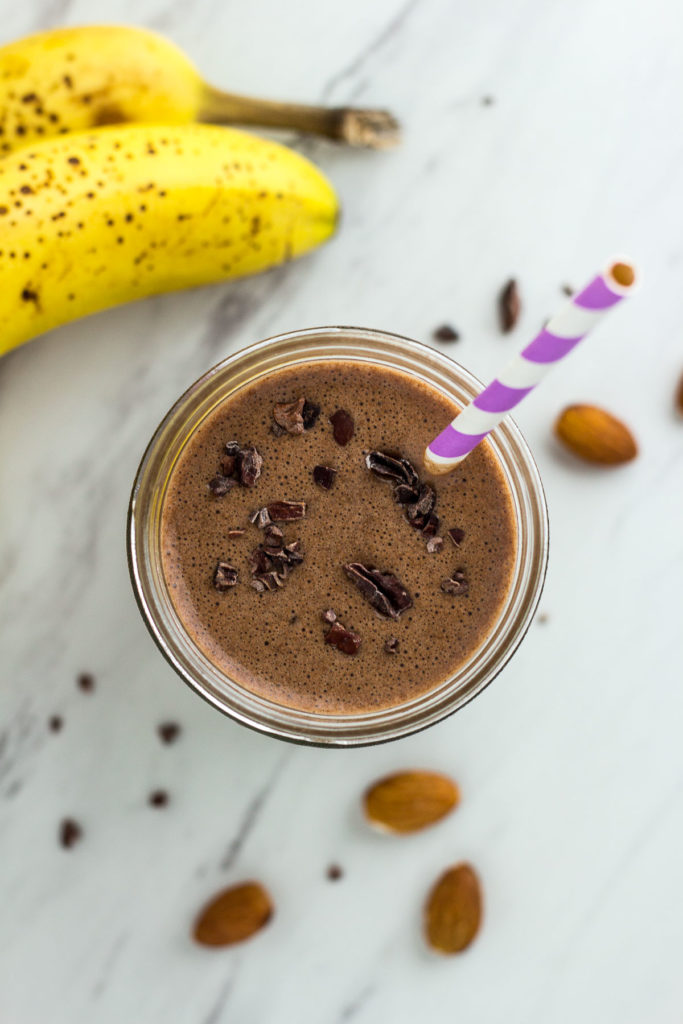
(228, 696)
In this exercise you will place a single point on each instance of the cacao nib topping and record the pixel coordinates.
(288, 415)
(392, 467)
(251, 463)
(382, 590)
(273, 539)
(224, 576)
(324, 476)
(260, 518)
(446, 333)
(405, 495)
(259, 562)
(345, 640)
(309, 414)
(272, 561)
(457, 535)
(424, 505)
(434, 544)
(279, 512)
(431, 525)
(220, 485)
(329, 616)
(238, 465)
(457, 584)
(509, 306)
(391, 645)
(270, 580)
(418, 500)
(343, 427)
(238, 531)
(228, 465)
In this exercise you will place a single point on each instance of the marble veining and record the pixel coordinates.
(570, 764)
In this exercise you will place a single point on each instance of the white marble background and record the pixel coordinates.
(571, 764)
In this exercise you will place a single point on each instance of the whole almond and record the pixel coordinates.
(595, 435)
(453, 910)
(409, 801)
(233, 915)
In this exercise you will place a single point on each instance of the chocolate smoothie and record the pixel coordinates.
(312, 559)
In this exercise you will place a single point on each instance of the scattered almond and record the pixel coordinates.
(233, 915)
(679, 396)
(453, 910)
(409, 801)
(595, 435)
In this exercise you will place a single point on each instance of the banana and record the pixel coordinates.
(71, 79)
(98, 218)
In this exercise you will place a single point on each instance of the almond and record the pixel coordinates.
(453, 910)
(595, 435)
(233, 915)
(409, 801)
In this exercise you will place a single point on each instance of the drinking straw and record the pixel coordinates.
(560, 335)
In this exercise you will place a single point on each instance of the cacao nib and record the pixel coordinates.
(251, 463)
(382, 590)
(288, 415)
(431, 525)
(260, 518)
(69, 833)
(509, 306)
(343, 427)
(224, 576)
(329, 616)
(273, 539)
(434, 544)
(446, 333)
(220, 485)
(405, 495)
(345, 640)
(457, 584)
(392, 467)
(391, 645)
(324, 476)
(309, 414)
(456, 535)
(279, 512)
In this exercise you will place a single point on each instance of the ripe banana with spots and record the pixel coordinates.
(98, 218)
(71, 79)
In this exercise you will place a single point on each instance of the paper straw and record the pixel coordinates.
(560, 335)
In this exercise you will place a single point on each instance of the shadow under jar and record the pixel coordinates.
(261, 658)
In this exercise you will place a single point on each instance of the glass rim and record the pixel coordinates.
(349, 344)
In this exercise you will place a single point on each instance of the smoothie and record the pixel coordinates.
(310, 556)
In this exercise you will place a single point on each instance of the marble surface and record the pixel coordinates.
(571, 764)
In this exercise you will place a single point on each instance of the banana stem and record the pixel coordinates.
(370, 129)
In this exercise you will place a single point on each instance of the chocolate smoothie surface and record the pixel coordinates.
(301, 619)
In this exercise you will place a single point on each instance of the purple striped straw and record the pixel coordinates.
(560, 335)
